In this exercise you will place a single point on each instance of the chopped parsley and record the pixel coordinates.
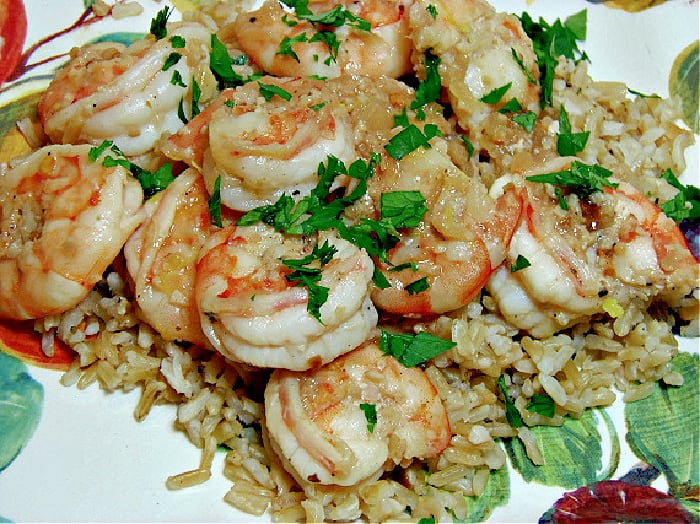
(686, 203)
(511, 106)
(177, 42)
(412, 350)
(429, 89)
(520, 263)
(177, 80)
(568, 143)
(309, 277)
(269, 91)
(370, 411)
(215, 204)
(523, 67)
(432, 10)
(170, 60)
(151, 182)
(494, 96)
(159, 23)
(525, 120)
(418, 286)
(403, 208)
(221, 65)
(552, 41)
(512, 414)
(468, 145)
(582, 179)
(411, 138)
(640, 94)
(542, 404)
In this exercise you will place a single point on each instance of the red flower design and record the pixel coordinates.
(13, 31)
(617, 501)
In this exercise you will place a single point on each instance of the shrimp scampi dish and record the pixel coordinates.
(348, 239)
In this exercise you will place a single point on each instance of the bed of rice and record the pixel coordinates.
(219, 403)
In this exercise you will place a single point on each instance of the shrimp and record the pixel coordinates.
(457, 246)
(317, 426)
(476, 45)
(251, 313)
(260, 149)
(600, 256)
(382, 51)
(127, 95)
(53, 204)
(162, 253)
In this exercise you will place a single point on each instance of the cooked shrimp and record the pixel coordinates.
(382, 51)
(63, 220)
(461, 240)
(596, 257)
(128, 95)
(318, 428)
(476, 44)
(261, 149)
(251, 313)
(162, 253)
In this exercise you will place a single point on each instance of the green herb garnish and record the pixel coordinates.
(520, 263)
(568, 143)
(215, 204)
(542, 404)
(411, 138)
(430, 88)
(686, 203)
(221, 65)
(403, 208)
(525, 120)
(370, 411)
(269, 91)
(177, 42)
(468, 145)
(172, 59)
(511, 106)
(305, 276)
(512, 414)
(552, 41)
(412, 350)
(582, 179)
(494, 96)
(159, 23)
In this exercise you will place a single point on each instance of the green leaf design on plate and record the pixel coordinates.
(21, 399)
(123, 37)
(684, 81)
(572, 453)
(24, 107)
(496, 493)
(664, 431)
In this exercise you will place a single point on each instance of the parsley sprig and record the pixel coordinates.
(686, 203)
(552, 41)
(151, 182)
(412, 350)
(581, 179)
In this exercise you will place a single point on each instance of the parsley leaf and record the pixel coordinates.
(403, 208)
(568, 143)
(159, 23)
(177, 42)
(151, 183)
(542, 404)
(469, 145)
(552, 41)
(686, 203)
(512, 414)
(429, 90)
(582, 179)
(221, 65)
(411, 350)
(494, 96)
(370, 411)
(523, 67)
(170, 60)
(177, 80)
(418, 286)
(525, 120)
(511, 106)
(215, 204)
(269, 91)
(520, 263)
(432, 10)
(303, 275)
(409, 139)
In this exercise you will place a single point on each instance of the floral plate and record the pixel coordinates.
(72, 455)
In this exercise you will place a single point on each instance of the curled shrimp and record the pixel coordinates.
(252, 313)
(63, 220)
(476, 45)
(127, 95)
(162, 253)
(260, 149)
(461, 240)
(319, 430)
(383, 50)
(600, 255)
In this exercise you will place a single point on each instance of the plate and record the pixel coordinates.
(80, 454)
